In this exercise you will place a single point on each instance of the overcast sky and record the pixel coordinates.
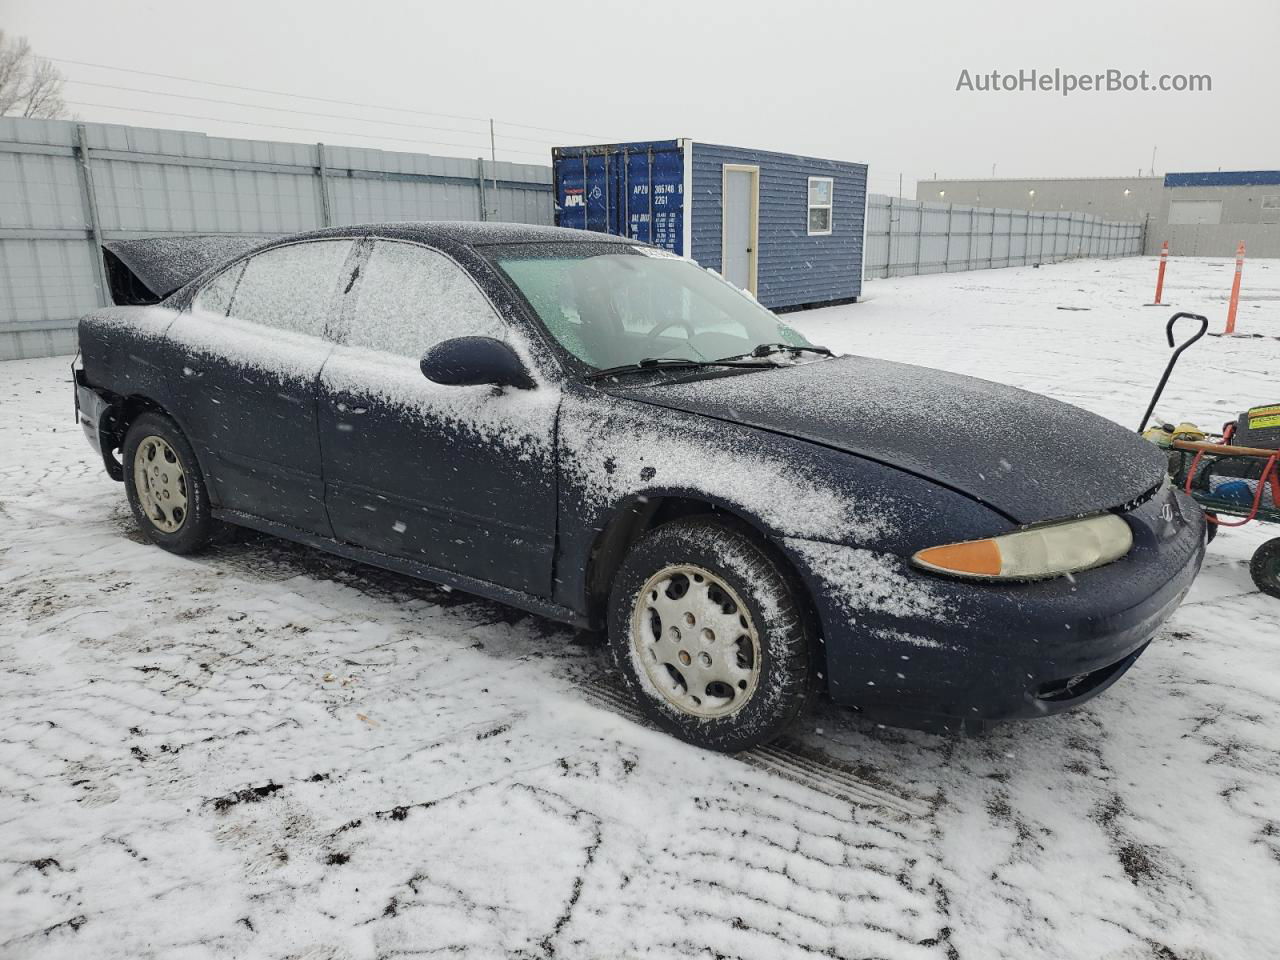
(871, 82)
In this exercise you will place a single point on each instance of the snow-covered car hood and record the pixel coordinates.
(1029, 457)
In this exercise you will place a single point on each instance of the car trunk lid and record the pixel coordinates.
(145, 270)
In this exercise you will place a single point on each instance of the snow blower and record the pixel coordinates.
(1235, 473)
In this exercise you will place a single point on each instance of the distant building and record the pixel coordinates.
(1200, 214)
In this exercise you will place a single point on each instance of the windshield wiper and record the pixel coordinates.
(769, 349)
(675, 363)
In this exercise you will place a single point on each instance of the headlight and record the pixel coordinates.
(1051, 550)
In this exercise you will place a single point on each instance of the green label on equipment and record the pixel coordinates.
(1260, 418)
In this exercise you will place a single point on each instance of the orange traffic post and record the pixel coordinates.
(1164, 257)
(1235, 290)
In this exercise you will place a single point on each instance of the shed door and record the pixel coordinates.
(741, 225)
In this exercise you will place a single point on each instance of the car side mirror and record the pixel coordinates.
(471, 361)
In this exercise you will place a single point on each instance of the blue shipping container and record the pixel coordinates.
(788, 228)
(630, 190)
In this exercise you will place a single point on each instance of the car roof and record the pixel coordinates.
(449, 236)
(444, 233)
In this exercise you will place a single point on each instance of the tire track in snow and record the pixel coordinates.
(785, 758)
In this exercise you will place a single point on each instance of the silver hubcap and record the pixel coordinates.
(161, 484)
(694, 638)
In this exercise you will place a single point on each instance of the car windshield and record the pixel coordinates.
(610, 309)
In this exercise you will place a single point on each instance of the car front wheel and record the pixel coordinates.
(165, 487)
(707, 631)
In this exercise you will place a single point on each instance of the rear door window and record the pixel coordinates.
(410, 298)
(292, 288)
(215, 297)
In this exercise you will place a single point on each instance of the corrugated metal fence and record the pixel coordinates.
(907, 237)
(65, 187)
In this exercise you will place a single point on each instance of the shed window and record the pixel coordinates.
(821, 190)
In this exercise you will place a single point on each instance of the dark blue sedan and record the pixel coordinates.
(591, 429)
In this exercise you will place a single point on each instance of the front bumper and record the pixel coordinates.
(948, 653)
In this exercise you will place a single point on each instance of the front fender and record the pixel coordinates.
(614, 452)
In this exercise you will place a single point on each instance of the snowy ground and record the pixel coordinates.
(264, 751)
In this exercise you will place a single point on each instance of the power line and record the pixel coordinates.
(306, 96)
(281, 126)
(308, 113)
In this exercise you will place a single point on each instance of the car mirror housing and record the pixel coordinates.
(472, 361)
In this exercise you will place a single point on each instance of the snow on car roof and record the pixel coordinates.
(463, 233)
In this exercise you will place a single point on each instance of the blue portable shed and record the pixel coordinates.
(788, 228)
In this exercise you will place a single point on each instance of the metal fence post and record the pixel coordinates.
(89, 196)
(484, 208)
(888, 255)
(968, 246)
(991, 249)
(326, 212)
(919, 236)
(946, 257)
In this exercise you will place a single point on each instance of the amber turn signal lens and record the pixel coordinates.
(980, 558)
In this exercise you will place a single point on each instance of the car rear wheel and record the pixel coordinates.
(707, 631)
(165, 487)
(1265, 567)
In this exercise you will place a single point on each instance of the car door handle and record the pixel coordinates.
(191, 373)
(343, 408)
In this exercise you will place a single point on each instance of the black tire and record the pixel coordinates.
(195, 526)
(1265, 567)
(782, 673)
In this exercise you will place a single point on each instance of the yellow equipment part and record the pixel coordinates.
(1164, 435)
